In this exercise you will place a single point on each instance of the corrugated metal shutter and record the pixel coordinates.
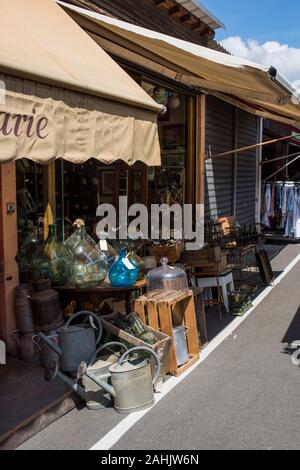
(246, 168)
(219, 172)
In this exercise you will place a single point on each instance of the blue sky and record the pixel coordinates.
(259, 19)
(263, 31)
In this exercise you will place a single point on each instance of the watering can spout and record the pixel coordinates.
(52, 372)
(73, 385)
(108, 388)
(50, 343)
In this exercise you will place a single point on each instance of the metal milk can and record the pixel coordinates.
(96, 397)
(22, 309)
(77, 343)
(45, 305)
(28, 350)
(131, 381)
(180, 345)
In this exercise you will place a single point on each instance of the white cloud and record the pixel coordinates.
(284, 58)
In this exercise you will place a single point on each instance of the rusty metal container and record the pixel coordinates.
(28, 349)
(22, 309)
(45, 305)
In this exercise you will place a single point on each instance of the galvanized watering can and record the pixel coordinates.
(131, 381)
(96, 397)
(77, 343)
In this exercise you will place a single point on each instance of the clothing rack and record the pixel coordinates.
(281, 208)
(282, 183)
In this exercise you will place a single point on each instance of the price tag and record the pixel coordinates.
(128, 264)
(103, 245)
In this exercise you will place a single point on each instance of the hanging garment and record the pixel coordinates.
(290, 218)
(297, 215)
(272, 204)
(284, 209)
(267, 206)
(279, 199)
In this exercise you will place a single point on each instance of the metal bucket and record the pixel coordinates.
(180, 344)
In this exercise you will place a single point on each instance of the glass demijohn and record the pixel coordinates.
(89, 264)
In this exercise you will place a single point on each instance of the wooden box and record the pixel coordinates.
(171, 252)
(162, 346)
(164, 310)
(211, 269)
(206, 255)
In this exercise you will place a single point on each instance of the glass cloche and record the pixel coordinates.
(167, 278)
(89, 264)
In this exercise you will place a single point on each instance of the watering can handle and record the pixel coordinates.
(86, 312)
(143, 348)
(104, 346)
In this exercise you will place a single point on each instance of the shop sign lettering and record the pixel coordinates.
(23, 125)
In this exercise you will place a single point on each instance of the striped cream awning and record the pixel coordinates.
(253, 87)
(62, 96)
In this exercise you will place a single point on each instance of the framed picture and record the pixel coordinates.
(108, 182)
(173, 136)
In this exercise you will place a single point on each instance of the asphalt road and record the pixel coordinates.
(245, 395)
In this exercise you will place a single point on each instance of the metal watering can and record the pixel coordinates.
(91, 393)
(131, 381)
(77, 343)
(96, 397)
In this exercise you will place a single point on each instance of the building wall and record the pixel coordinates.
(219, 172)
(246, 168)
(230, 180)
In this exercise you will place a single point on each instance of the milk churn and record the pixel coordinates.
(45, 305)
(28, 350)
(131, 381)
(77, 343)
(22, 309)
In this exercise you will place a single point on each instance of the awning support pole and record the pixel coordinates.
(250, 147)
(279, 158)
(285, 166)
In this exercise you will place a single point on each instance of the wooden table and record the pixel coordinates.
(95, 295)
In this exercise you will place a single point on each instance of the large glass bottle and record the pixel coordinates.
(53, 260)
(89, 264)
(26, 254)
(123, 273)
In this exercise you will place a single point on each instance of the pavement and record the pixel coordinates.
(244, 395)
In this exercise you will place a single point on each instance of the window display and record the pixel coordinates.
(166, 184)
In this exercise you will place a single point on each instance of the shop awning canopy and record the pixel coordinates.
(259, 89)
(62, 96)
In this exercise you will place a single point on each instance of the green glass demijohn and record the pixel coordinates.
(53, 260)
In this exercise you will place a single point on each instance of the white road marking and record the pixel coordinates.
(113, 436)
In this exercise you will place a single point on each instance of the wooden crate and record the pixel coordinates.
(200, 316)
(164, 310)
(211, 269)
(171, 252)
(162, 347)
(204, 256)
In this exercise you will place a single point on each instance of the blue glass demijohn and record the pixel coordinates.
(123, 273)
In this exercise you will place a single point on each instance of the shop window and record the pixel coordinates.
(72, 192)
(167, 184)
